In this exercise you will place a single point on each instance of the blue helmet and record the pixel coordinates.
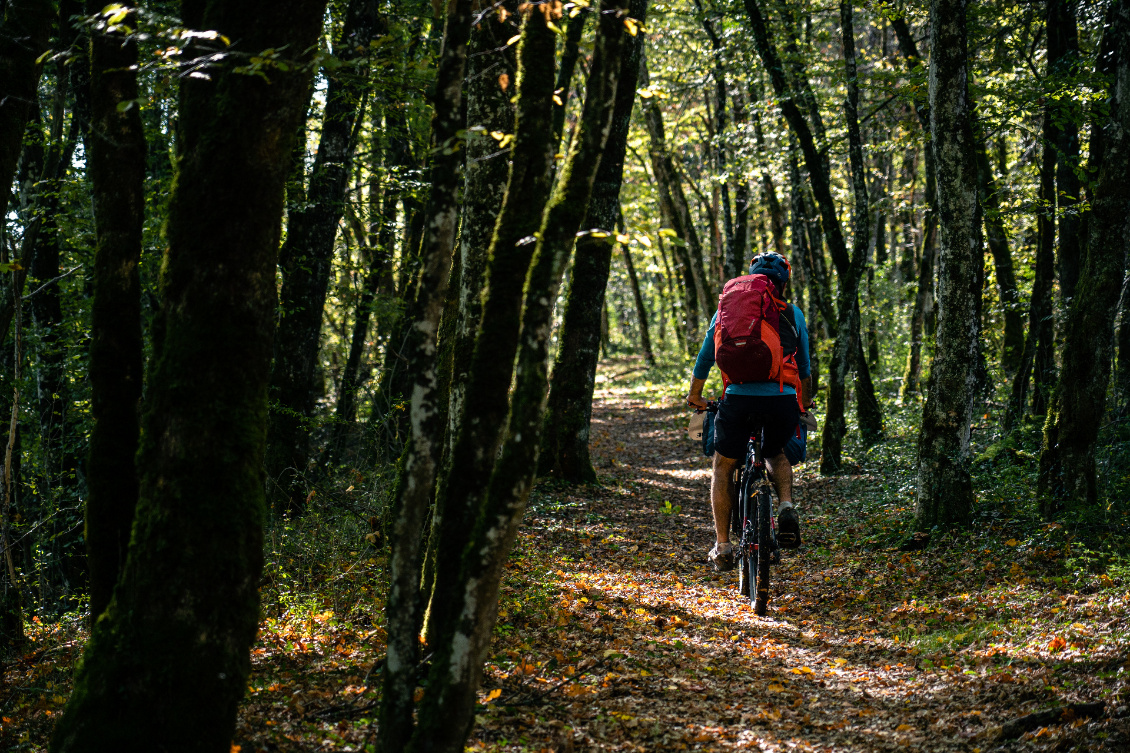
(772, 265)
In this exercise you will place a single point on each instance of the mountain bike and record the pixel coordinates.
(752, 520)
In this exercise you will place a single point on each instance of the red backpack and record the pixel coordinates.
(747, 334)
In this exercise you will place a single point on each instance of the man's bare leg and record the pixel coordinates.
(722, 496)
(788, 522)
(781, 474)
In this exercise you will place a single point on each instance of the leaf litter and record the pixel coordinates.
(615, 635)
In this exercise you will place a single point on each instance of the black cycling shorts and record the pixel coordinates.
(739, 416)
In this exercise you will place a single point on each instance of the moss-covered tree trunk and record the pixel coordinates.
(945, 494)
(570, 53)
(25, 31)
(167, 662)
(565, 452)
(116, 159)
(1067, 459)
(308, 255)
(479, 433)
(417, 479)
(447, 710)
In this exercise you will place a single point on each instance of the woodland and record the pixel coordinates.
(344, 347)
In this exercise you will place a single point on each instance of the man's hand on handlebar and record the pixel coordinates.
(697, 401)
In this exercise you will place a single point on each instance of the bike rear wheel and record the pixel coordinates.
(760, 561)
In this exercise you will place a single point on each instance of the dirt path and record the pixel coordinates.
(618, 636)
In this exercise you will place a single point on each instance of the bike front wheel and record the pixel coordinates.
(760, 580)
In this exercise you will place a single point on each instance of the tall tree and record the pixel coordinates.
(423, 452)
(479, 434)
(307, 256)
(945, 492)
(167, 663)
(447, 709)
(1067, 459)
(25, 32)
(566, 431)
(116, 153)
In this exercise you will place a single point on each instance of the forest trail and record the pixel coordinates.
(619, 636)
(614, 634)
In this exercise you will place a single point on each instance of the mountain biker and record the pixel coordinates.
(752, 406)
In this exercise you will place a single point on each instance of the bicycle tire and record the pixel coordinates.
(764, 552)
(747, 558)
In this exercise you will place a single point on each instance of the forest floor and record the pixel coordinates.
(616, 635)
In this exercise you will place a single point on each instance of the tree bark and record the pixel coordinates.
(1063, 64)
(308, 253)
(1067, 459)
(945, 493)
(847, 326)
(167, 663)
(479, 434)
(637, 296)
(117, 163)
(1036, 360)
(447, 712)
(569, 409)
(417, 479)
(569, 55)
(673, 204)
(923, 294)
(25, 32)
(997, 236)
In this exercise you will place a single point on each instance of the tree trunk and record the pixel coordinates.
(1067, 459)
(847, 326)
(637, 296)
(1063, 66)
(308, 252)
(417, 478)
(673, 204)
(945, 493)
(925, 291)
(167, 663)
(25, 32)
(117, 172)
(997, 236)
(573, 33)
(447, 711)
(1036, 360)
(57, 488)
(569, 409)
(479, 434)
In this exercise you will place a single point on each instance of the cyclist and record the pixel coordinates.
(754, 406)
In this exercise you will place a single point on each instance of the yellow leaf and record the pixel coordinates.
(775, 687)
(621, 238)
(644, 240)
(1011, 542)
(903, 728)
(632, 25)
(666, 232)
(557, 101)
(493, 695)
(513, 39)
